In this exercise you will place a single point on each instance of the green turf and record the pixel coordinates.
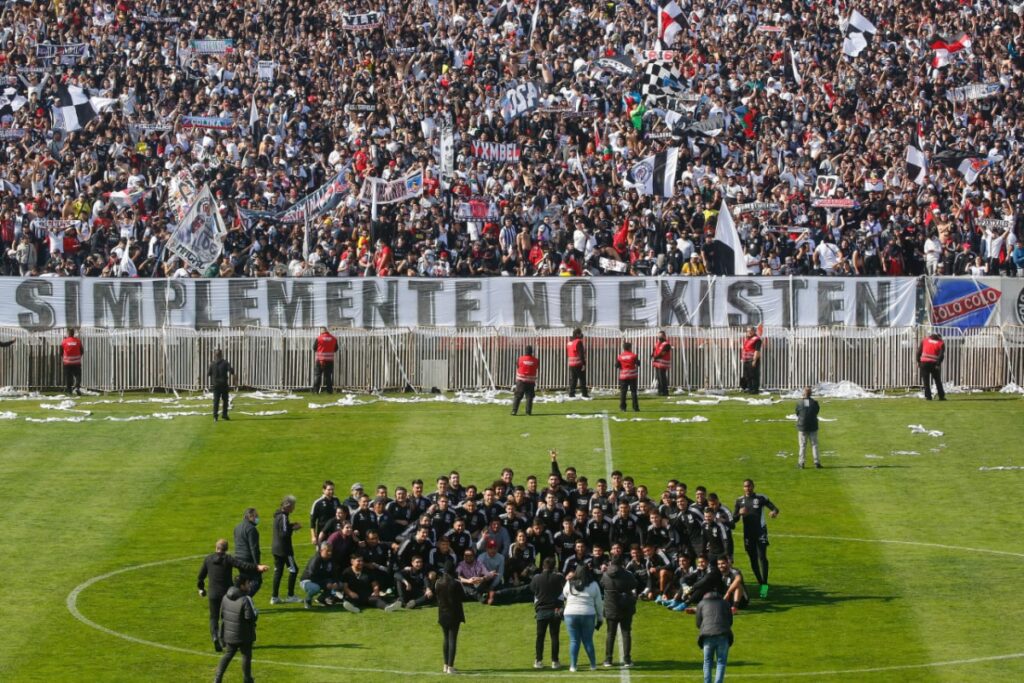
(82, 500)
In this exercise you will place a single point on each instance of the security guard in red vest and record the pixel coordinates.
(931, 355)
(661, 359)
(325, 347)
(527, 367)
(71, 355)
(577, 355)
(750, 380)
(629, 372)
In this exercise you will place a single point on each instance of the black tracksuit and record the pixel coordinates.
(218, 567)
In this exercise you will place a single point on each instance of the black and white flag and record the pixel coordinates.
(655, 175)
(361, 22)
(10, 102)
(917, 164)
(970, 164)
(710, 127)
(617, 62)
(729, 258)
(791, 69)
(661, 84)
(519, 100)
(858, 30)
(75, 108)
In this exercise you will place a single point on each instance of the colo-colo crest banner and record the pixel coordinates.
(619, 302)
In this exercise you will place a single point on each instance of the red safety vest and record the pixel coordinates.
(326, 347)
(749, 348)
(575, 351)
(662, 355)
(526, 369)
(72, 350)
(627, 365)
(931, 350)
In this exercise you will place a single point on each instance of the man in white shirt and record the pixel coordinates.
(826, 255)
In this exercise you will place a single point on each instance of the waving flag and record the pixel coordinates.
(917, 163)
(729, 259)
(945, 48)
(858, 30)
(655, 175)
(671, 21)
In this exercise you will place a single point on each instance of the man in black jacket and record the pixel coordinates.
(219, 372)
(319, 577)
(807, 428)
(218, 566)
(247, 546)
(283, 551)
(714, 619)
(619, 588)
(547, 603)
(237, 628)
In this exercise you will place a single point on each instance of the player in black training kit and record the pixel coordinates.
(750, 507)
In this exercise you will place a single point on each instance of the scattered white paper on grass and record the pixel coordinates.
(264, 413)
(40, 420)
(8, 415)
(1001, 468)
(920, 429)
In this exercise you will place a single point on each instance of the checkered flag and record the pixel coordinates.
(75, 108)
(661, 83)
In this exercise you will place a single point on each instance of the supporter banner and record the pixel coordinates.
(154, 19)
(977, 91)
(54, 224)
(360, 107)
(182, 192)
(265, 70)
(519, 100)
(199, 237)
(962, 303)
(619, 63)
(447, 148)
(657, 55)
(69, 53)
(361, 22)
(32, 69)
(220, 46)
(402, 51)
(209, 122)
(9, 80)
(751, 207)
(318, 202)
(619, 302)
(13, 133)
(768, 28)
(504, 152)
(614, 266)
(475, 210)
(835, 203)
(391, 191)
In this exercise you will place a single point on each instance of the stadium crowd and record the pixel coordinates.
(371, 103)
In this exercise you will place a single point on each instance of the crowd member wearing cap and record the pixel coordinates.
(352, 502)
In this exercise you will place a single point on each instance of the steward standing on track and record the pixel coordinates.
(527, 367)
(932, 353)
(218, 373)
(71, 355)
(750, 380)
(325, 347)
(629, 373)
(577, 355)
(661, 359)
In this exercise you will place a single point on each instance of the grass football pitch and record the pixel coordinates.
(900, 561)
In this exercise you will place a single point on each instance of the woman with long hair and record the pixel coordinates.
(584, 610)
(450, 614)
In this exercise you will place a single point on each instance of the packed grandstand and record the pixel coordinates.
(462, 138)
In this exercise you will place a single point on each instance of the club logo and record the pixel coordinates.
(642, 172)
(964, 304)
(1020, 307)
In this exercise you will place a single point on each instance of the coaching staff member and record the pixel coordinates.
(283, 551)
(325, 347)
(71, 348)
(247, 546)
(218, 373)
(626, 362)
(576, 353)
(661, 359)
(218, 566)
(237, 628)
(527, 367)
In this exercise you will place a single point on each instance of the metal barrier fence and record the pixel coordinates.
(484, 358)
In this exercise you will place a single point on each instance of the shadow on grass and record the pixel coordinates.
(695, 664)
(866, 467)
(785, 598)
(311, 646)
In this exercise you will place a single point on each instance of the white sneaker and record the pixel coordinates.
(396, 605)
(293, 598)
(572, 669)
(444, 669)
(538, 664)
(350, 607)
(452, 670)
(556, 665)
(276, 601)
